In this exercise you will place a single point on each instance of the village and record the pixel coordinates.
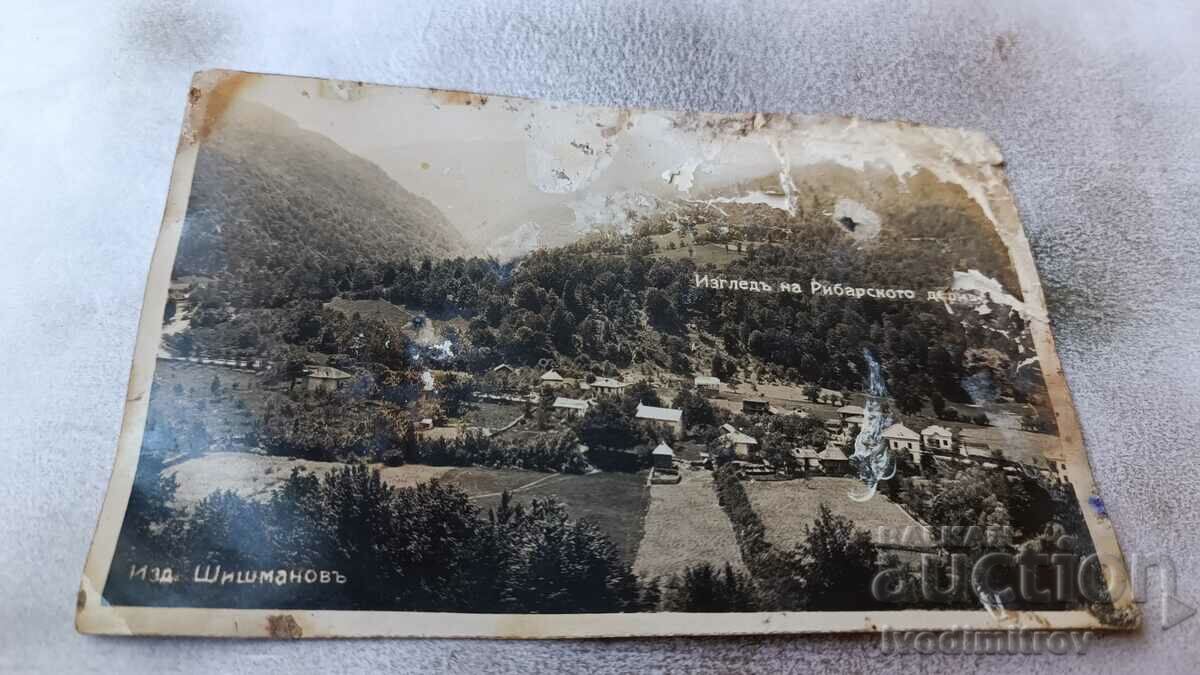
(570, 398)
(791, 444)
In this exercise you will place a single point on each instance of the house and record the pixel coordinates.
(937, 438)
(325, 378)
(900, 438)
(848, 411)
(607, 386)
(834, 461)
(756, 406)
(551, 378)
(505, 368)
(743, 445)
(667, 419)
(707, 384)
(808, 458)
(573, 407)
(663, 457)
(425, 424)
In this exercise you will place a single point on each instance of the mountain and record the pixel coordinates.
(269, 198)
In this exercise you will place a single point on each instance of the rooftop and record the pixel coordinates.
(707, 381)
(551, 376)
(663, 449)
(572, 403)
(649, 412)
(607, 383)
(737, 437)
(805, 453)
(326, 373)
(850, 410)
(935, 430)
(901, 433)
(832, 453)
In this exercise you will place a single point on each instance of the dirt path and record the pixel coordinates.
(526, 486)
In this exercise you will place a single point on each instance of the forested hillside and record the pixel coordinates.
(283, 212)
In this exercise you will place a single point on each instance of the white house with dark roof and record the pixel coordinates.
(572, 406)
(807, 457)
(833, 460)
(607, 386)
(743, 444)
(902, 439)
(325, 378)
(667, 419)
(848, 411)
(708, 384)
(937, 438)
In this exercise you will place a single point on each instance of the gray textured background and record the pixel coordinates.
(1094, 106)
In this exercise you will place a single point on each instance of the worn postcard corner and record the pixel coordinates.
(430, 363)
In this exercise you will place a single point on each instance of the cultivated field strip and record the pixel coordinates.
(686, 526)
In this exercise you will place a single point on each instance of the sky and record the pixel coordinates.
(512, 173)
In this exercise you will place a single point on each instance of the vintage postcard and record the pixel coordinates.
(431, 363)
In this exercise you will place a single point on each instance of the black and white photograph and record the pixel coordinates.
(546, 370)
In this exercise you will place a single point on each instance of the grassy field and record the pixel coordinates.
(257, 476)
(615, 502)
(492, 415)
(787, 507)
(183, 391)
(703, 254)
(685, 526)
(372, 309)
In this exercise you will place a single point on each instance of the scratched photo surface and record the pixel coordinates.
(422, 351)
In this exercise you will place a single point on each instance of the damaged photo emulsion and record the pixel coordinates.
(409, 351)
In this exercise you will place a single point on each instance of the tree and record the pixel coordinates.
(562, 330)
(660, 311)
(722, 367)
(812, 392)
(639, 393)
(606, 424)
(938, 402)
(697, 411)
(215, 387)
(457, 392)
(837, 562)
(702, 588)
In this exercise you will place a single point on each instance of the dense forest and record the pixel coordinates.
(268, 215)
(611, 302)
